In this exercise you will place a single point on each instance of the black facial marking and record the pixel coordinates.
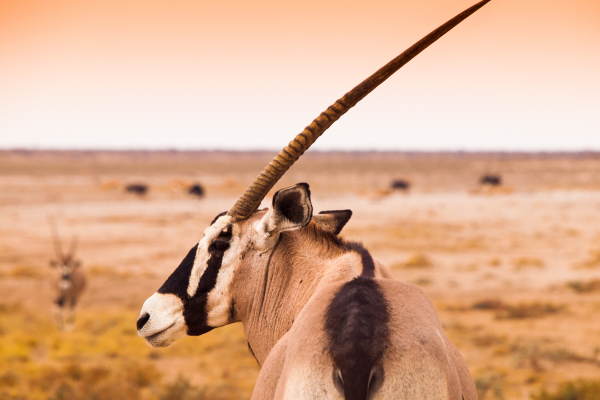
(194, 308)
(356, 323)
(289, 205)
(221, 243)
(60, 301)
(179, 280)
(209, 278)
(194, 313)
(217, 217)
(367, 261)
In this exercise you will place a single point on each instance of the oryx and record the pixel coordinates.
(321, 316)
(68, 283)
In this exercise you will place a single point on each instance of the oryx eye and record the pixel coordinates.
(220, 245)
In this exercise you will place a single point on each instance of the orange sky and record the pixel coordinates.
(251, 74)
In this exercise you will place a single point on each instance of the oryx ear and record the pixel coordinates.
(291, 209)
(332, 221)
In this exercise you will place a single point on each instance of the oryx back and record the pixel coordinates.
(366, 338)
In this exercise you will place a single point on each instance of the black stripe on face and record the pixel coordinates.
(179, 280)
(195, 312)
(194, 308)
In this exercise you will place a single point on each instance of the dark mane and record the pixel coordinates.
(356, 324)
(330, 241)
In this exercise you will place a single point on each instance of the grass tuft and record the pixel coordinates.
(528, 262)
(489, 304)
(593, 261)
(518, 311)
(585, 287)
(26, 271)
(415, 260)
(572, 390)
(489, 386)
(104, 359)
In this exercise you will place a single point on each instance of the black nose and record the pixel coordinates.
(142, 320)
(66, 277)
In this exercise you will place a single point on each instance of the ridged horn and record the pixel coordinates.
(56, 239)
(256, 192)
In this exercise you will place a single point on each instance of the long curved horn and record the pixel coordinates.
(253, 195)
(73, 246)
(56, 239)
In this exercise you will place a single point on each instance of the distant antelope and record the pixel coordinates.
(321, 316)
(400, 184)
(492, 180)
(137, 188)
(68, 283)
(196, 190)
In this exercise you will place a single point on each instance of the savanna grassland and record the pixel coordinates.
(514, 270)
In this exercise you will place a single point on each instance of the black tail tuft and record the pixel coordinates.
(357, 326)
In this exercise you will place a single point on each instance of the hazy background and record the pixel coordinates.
(517, 75)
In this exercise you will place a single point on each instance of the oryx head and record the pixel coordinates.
(64, 264)
(196, 297)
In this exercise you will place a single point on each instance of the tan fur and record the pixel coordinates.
(280, 285)
(271, 288)
(68, 291)
(281, 297)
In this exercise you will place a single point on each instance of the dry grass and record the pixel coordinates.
(489, 304)
(376, 194)
(521, 343)
(122, 380)
(584, 286)
(530, 310)
(489, 386)
(415, 260)
(528, 262)
(539, 356)
(423, 281)
(111, 185)
(572, 390)
(488, 339)
(105, 359)
(492, 190)
(593, 261)
(519, 311)
(494, 262)
(27, 271)
(99, 270)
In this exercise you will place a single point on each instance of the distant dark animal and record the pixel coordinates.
(68, 283)
(196, 190)
(400, 184)
(492, 180)
(137, 188)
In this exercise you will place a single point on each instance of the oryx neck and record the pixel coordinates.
(300, 263)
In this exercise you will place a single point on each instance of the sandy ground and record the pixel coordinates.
(523, 247)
